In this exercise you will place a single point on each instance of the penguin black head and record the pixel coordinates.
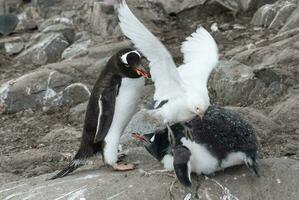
(156, 143)
(129, 63)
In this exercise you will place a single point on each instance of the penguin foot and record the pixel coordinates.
(121, 157)
(123, 167)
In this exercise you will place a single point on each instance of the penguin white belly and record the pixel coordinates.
(167, 162)
(234, 158)
(202, 161)
(125, 107)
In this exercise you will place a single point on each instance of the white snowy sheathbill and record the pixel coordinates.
(180, 93)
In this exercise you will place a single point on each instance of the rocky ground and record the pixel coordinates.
(51, 52)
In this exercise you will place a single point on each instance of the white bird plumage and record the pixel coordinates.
(184, 87)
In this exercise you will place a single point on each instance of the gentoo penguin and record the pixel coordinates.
(111, 105)
(221, 139)
(180, 93)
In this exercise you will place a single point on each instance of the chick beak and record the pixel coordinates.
(138, 137)
(141, 72)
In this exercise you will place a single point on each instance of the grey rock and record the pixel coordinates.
(10, 7)
(106, 50)
(67, 31)
(233, 83)
(28, 160)
(75, 68)
(235, 5)
(55, 20)
(47, 50)
(44, 3)
(29, 19)
(273, 64)
(174, 6)
(265, 15)
(8, 177)
(36, 89)
(59, 24)
(2, 7)
(61, 134)
(286, 113)
(242, 5)
(75, 93)
(12, 45)
(292, 22)
(274, 15)
(8, 23)
(103, 20)
(76, 50)
(278, 181)
(77, 113)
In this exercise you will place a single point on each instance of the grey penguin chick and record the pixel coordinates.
(220, 140)
(112, 103)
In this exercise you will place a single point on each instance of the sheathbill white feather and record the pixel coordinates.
(184, 88)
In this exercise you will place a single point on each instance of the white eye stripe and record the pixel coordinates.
(124, 57)
(153, 138)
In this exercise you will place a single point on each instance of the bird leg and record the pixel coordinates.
(188, 130)
(171, 136)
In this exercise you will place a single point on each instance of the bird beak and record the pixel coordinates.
(141, 72)
(139, 138)
(200, 114)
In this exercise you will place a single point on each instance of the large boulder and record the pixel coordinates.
(104, 19)
(279, 180)
(29, 19)
(36, 89)
(292, 22)
(275, 16)
(47, 50)
(174, 6)
(8, 23)
(241, 5)
(12, 45)
(233, 83)
(58, 24)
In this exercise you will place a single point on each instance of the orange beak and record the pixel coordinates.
(138, 137)
(141, 72)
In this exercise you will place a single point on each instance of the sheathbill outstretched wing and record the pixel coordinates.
(163, 70)
(200, 57)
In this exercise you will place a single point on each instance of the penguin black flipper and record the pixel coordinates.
(95, 129)
(106, 107)
(181, 164)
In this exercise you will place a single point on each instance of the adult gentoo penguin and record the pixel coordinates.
(180, 93)
(112, 103)
(221, 139)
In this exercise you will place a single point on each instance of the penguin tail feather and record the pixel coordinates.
(252, 164)
(70, 168)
